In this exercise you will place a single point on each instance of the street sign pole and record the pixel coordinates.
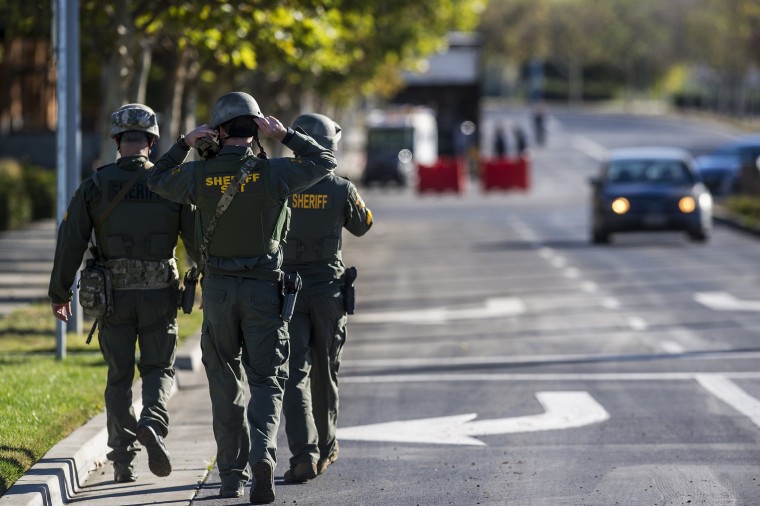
(68, 139)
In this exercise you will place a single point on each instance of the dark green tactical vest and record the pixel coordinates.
(317, 218)
(253, 224)
(143, 225)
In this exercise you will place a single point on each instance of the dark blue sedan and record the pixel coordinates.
(641, 189)
(720, 169)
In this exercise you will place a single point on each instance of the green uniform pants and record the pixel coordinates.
(317, 334)
(149, 318)
(243, 338)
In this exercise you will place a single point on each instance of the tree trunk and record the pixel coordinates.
(172, 115)
(575, 83)
(113, 83)
(139, 82)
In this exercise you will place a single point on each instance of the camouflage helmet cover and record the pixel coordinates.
(234, 104)
(321, 128)
(134, 117)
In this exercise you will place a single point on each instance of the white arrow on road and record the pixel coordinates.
(563, 410)
(722, 301)
(493, 308)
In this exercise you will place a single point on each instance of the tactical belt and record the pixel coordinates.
(134, 274)
(254, 273)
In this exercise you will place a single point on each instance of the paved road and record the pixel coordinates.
(496, 357)
(478, 313)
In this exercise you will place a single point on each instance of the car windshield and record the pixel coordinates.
(649, 171)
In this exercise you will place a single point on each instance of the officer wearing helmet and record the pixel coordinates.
(318, 328)
(244, 336)
(132, 235)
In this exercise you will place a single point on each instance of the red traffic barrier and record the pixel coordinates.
(505, 173)
(447, 174)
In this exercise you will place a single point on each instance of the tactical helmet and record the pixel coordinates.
(232, 105)
(134, 117)
(321, 128)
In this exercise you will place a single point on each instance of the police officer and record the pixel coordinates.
(135, 237)
(243, 336)
(318, 327)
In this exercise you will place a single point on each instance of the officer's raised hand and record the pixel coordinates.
(271, 127)
(198, 133)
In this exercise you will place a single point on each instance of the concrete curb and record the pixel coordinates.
(725, 218)
(59, 475)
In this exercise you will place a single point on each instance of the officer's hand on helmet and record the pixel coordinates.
(198, 133)
(271, 127)
(62, 311)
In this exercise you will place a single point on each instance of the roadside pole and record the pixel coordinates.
(69, 139)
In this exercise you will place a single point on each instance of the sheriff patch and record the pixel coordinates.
(138, 193)
(310, 201)
(220, 183)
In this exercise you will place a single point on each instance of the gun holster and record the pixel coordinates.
(349, 291)
(186, 295)
(291, 285)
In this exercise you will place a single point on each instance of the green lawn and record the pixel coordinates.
(42, 399)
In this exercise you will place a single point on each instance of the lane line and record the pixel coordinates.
(729, 392)
(589, 147)
(589, 287)
(637, 323)
(538, 359)
(672, 347)
(635, 376)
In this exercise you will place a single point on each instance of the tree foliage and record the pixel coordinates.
(643, 39)
(334, 49)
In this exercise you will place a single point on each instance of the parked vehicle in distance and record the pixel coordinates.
(720, 168)
(649, 188)
(398, 140)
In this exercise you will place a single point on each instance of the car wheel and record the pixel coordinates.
(699, 235)
(600, 236)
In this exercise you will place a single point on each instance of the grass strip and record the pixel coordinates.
(42, 399)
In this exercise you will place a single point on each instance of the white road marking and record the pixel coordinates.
(637, 323)
(633, 376)
(572, 273)
(729, 392)
(610, 303)
(493, 308)
(589, 147)
(558, 262)
(589, 287)
(672, 347)
(722, 301)
(529, 359)
(546, 252)
(563, 410)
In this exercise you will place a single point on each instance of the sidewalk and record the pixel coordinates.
(76, 469)
(26, 259)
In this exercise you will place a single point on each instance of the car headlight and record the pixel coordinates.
(687, 205)
(620, 205)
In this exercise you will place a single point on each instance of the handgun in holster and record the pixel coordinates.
(186, 296)
(349, 291)
(291, 285)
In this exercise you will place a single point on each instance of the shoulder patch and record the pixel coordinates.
(353, 194)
